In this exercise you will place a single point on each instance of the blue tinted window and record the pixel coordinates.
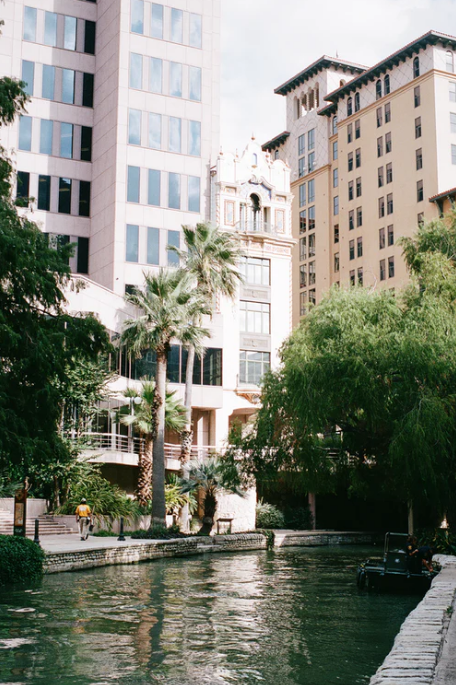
(46, 133)
(153, 245)
(25, 133)
(30, 23)
(135, 70)
(48, 82)
(137, 16)
(194, 83)
(156, 21)
(28, 76)
(132, 243)
(68, 86)
(173, 239)
(174, 191)
(133, 184)
(66, 140)
(50, 29)
(195, 31)
(134, 127)
(175, 79)
(193, 194)
(177, 25)
(155, 131)
(153, 190)
(194, 138)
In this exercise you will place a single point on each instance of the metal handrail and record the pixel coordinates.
(113, 442)
(255, 227)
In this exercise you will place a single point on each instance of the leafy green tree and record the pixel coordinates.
(39, 341)
(167, 310)
(143, 416)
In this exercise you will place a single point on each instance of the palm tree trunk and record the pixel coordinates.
(158, 469)
(145, 472)
(187, 433)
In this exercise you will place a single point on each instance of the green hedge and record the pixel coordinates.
(21, 560)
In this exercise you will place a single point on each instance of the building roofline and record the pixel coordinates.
(429, 38)
(324, 62)
(275, 142)
(441, 196)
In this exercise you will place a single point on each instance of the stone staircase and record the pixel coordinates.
(48, 526)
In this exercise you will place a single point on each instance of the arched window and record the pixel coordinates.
(304, 103)
(386, 83)
(297, 108)
(334, 125)
(317, 95)
(310, 99)
(255, 159)
(378, 90)
(357, 104)
(255, 208)
(416, 67)
(449, 61)
(276, 154)
(349, 107)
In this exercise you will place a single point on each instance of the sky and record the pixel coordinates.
(266, 42)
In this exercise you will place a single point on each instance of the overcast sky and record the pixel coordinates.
(265, 42)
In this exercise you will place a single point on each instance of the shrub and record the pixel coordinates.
(21, 560)
(109, 534)
(442, 539)
(268, 516)
(298, 518)
(158, 533)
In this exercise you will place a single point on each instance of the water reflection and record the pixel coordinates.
(292, 617)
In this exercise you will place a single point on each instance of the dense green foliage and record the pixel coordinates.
(158, 533)
(442, 539)
(21, 560)
(268, 516)
(367, 391)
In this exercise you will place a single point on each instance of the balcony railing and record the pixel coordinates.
(112, 442)
(258, 226)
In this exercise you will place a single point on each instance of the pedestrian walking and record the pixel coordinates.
(83, 518)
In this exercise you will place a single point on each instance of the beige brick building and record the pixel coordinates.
(372, 152)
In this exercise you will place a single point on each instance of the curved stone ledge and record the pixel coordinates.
(418, 646)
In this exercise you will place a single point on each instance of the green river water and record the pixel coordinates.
(288, 617)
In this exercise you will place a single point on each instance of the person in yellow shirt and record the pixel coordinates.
(83, 512)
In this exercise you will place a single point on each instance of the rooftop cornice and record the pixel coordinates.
(275, 142)
(320, 64)
(442, 196)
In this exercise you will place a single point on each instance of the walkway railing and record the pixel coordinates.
(256, 227)
(112, 442)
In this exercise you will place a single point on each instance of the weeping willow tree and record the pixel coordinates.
(381, 369)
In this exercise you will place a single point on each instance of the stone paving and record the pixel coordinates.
(423, 646)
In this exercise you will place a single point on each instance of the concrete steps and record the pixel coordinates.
(48, 526)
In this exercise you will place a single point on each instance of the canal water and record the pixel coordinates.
(288, 617)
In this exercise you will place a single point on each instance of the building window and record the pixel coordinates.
(358, 187)
(84, 198)
(418, 127)
(387, 113)
(419, 159)
(177, 26)
(134, 127)
(155, 130)
(349, 133)
(350, 161)
(175, 79)
(389, 203)
(194, 83)
(312, 218)
(253, 366)
(359, 247)
(87, 90)
(66, 141)
(452, 89)
(254, 317)
(48, 85)
(387, 85)
(68, 86)
(311, 139)
(23, 184)
(86, 143)
(357, 103)
(28, 76)
(133, 176)
(29, 24)
(381, 207)
(89, 37)
(351, 219)
(153, 246)
(312, 245)
(153, 187)
(357, 129)
(360, 276)
(276, 155)
(419, 191)
(311, 191)
(302, 144)
(173, 241)
(380, 147)
(302, 194)
(390, 267)
(336, 262)
(311, 161)
(380, 176)
(336, 149)
(195, 31)
(416, 67)
(420, 218)
(453, 154)
(449, 60)
(25, 133)
(156, 21)
(69, 33)
(255, 271)
(352, 277)
(390, 236)
(64, 206)
(351, 249)
(44, 193)
(350, 190)
(335, 178)
(378, 90)
(50, 29)
(156, 75)
(303, 221)
(382, 270)
(132, 244)
(174, 191)
(301, 167)
(334, 126)
(194, 192)
(417, 96)
(389, 172)
(312, 274)
(453, 122)
(381, 238)
(379, 117)
(303, 249)
(336, 205)
(358, 158)
(336, 233)
(229, 213)
(388, 143)
(175, 134)
(349, 107)
(302, 303)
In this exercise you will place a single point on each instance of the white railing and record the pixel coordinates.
(113, 442)
(255, 227)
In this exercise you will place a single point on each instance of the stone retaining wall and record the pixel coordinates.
(417, 647)
(57, 562)
(317, 539)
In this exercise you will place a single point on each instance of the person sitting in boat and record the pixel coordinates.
(413, 560)
(425, 554)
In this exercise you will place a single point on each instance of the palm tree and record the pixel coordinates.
(142, 416)
(211, 257)
(211, 478)
(168, 307)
